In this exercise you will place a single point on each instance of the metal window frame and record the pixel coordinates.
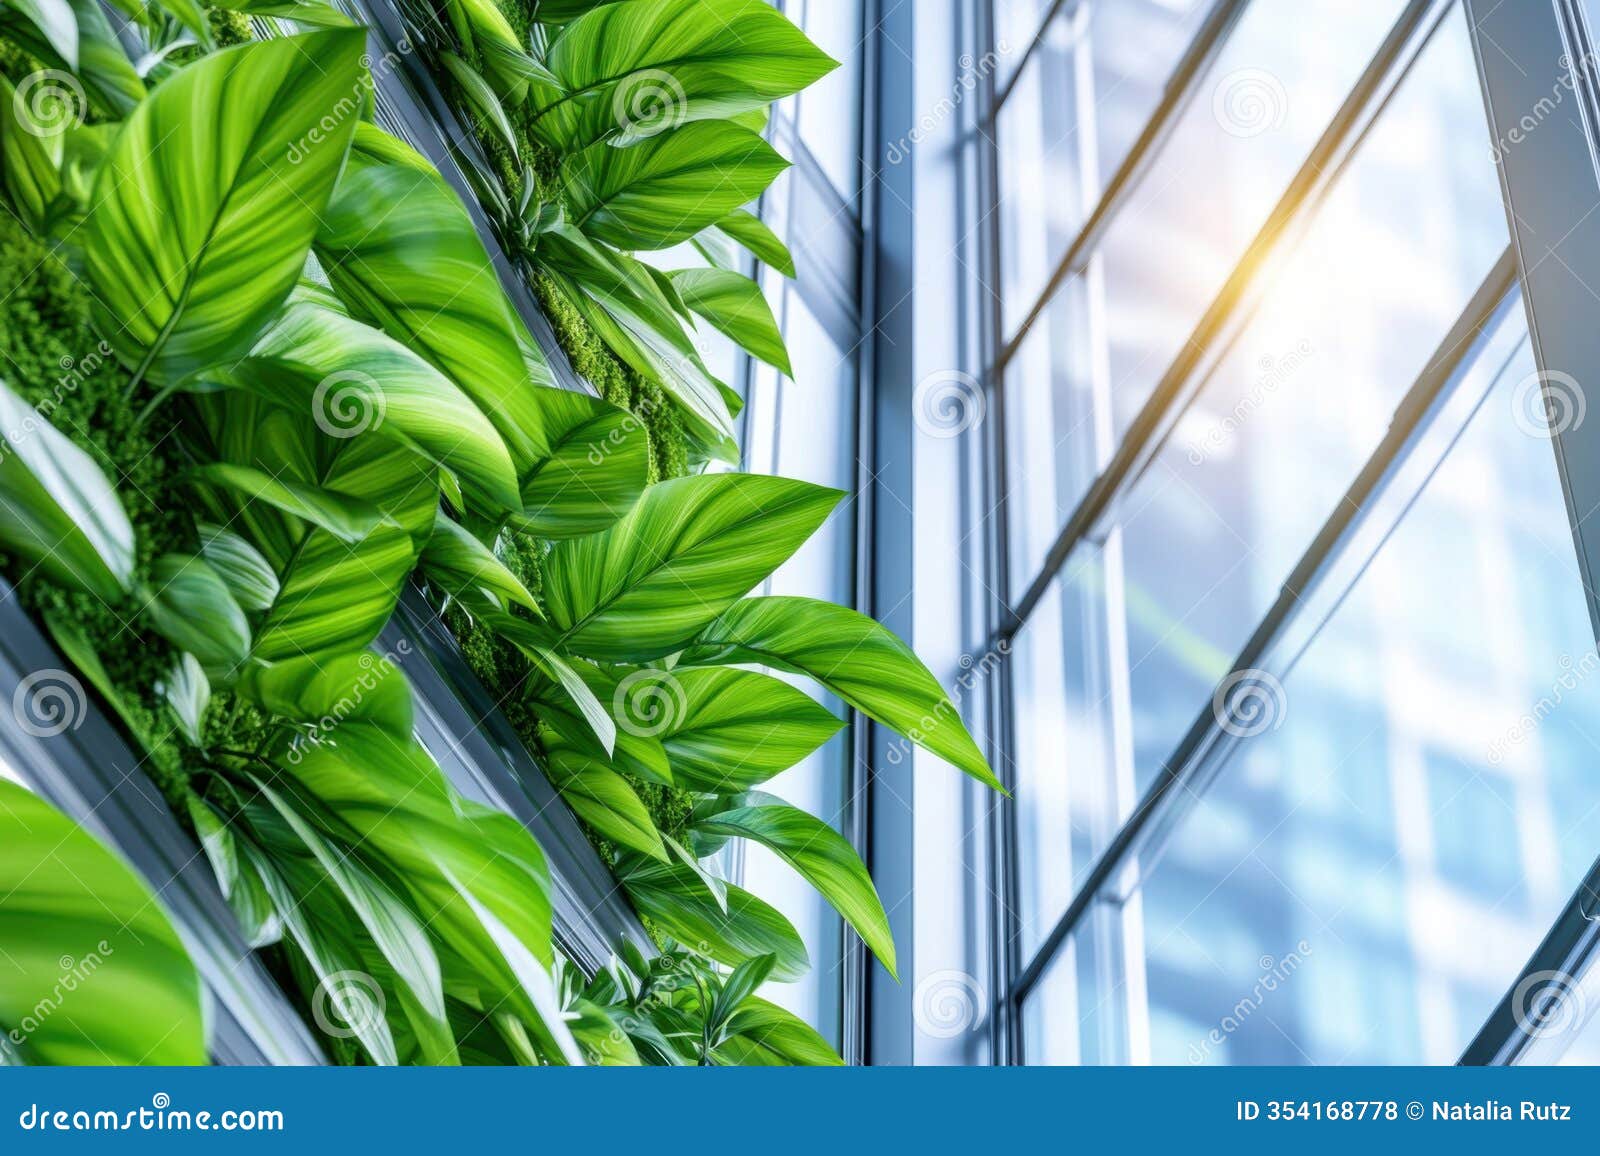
(1527, 53)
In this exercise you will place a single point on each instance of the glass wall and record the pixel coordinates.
(1360, 844)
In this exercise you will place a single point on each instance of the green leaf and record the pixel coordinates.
(103, 73)
(740, 985)
(249, 576)
(662, 191)
(742, 227)
(651, 64)
(735, 307)
(74, 917)
(364, 687)
(351, 379)
(852, 656)
(32, 160)
(346, 518)
(604, 800)
(764, 1033)
(822, 856)
(536, 641)
(686, 552)
(631, 749)
(206, 204)
(594, 464)
(403, 254)
(56, 22)
(458, 562)
(675, 899)
(334, 596)
(399, 936)
(58, 512)
(189, 605)
(737, 729)
(187, 692)
(483, 100)
(311, 13)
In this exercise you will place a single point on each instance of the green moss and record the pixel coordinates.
(52, 358)
(230, 28)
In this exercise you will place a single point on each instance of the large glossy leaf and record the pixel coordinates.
(736, 729)
(736, 307)
(638, 67)
(604, 800)
(334, 595)
(662, 191)
(312, 13)
(820, 854)
(103, 73)
(29, 161)
(594, 463)
(762, 1033)
(250, 578)
(459, 563)
(192, 607)
(402, 253)
(357, 687)
(353, 380)
(58, 512)
(346, 518)
(687, 551)
(675, 899)
(93, 973)
(852, 656)
(56, 22)
(206, 204)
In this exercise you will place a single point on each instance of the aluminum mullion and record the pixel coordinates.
(1180, 87)
(1228, 314)
(1204, 749)
(1027, 53)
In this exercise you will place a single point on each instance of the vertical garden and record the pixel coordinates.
(259, 378)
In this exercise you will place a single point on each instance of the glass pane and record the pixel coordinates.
(1268, 448)
(830, 110)
(1361, 881)
(1077, 107)
(1093, 356)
